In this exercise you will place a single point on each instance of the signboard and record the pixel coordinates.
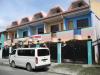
(36, 37)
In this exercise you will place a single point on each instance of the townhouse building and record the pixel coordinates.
(77, 23)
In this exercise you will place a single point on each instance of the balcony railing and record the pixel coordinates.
(63, 35)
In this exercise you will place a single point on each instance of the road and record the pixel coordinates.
(6, 70)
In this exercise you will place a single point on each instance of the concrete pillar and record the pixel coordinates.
(38, 45)
(44, 28)
(2, 40)
(10, 49)
(2, 44)
(1, 52)
(59, 52)
(17, 33)
(96, 54)
(89, 45)
(29, 31)
(64, 23)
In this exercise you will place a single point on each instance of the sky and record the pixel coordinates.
(12, 10)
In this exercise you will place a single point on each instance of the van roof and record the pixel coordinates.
(34, 48)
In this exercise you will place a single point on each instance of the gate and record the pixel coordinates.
(5, 53)
(53, 51)
(75, 51)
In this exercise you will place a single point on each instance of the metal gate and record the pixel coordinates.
(5, 53)
(76, 51)
(53, 51)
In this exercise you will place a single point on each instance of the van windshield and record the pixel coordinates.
(43, 52)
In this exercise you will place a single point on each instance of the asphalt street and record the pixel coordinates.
(6, 70)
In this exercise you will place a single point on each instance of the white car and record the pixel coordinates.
(30, 58)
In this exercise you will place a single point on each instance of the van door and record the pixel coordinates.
(13, 56)
(25, 56)
(43, 56)
(20, 58)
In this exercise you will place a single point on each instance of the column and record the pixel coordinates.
(17, 33)
(96, 54)
(44, 28)
(2, 44)
(89, 45)
(2, 40)
(38, 45)
(65, 23)
(29, 31)
(59, 51)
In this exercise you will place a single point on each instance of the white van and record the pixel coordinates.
(30, 58)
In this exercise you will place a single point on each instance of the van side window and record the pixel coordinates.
(13, 52)
(26, 52)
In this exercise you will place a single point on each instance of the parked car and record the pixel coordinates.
(30, 58)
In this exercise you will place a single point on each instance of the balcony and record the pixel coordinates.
(81, 34)
(65, 35)
(25, 40)
(90, 31)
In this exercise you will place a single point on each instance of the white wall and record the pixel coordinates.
(0, 53)
(96, 25)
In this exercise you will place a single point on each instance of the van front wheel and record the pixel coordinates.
(29, 67)
(13, 64)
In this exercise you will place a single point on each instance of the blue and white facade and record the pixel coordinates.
(76, 23)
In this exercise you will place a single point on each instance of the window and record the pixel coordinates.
(13, 52)
(15, 35)
(70, 25)
(14, 23)
(24, 20)
(43, 52)
(26, 52)
(54, 28)
(6, 37)
(37, 16)
(82, 23)
(25, 33)
(40, 30)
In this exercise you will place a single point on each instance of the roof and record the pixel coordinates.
(39, 15)
(54, 12)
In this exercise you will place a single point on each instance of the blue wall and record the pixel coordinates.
(20, 32)
(29, 29)
(2, 40)
(74, 19)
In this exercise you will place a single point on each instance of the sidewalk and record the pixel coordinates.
(4, 61)
(75, 69)
(65, 68)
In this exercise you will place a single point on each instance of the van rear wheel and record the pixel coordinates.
(13, 64)
(29, 67)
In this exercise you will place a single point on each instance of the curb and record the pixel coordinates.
(53, 71)
(59, 73)
(4, 64)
